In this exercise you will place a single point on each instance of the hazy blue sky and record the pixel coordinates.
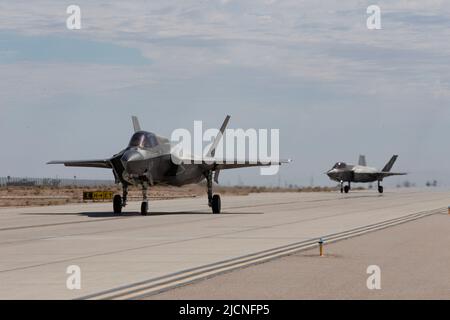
(310, 68)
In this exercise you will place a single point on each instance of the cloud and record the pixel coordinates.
(309, 60)
(297, 39)
(16, 48)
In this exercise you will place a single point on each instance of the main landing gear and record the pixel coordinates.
(213, 200)
(346, 188)
(380, 187)
(121, 201)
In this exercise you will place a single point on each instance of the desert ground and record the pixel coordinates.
(14, 196)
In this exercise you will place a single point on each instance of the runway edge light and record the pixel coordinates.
(321, 246)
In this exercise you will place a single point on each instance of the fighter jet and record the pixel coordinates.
(148, 160)
(342, 172)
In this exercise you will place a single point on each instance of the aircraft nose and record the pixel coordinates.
(131, 155)
(331, 173)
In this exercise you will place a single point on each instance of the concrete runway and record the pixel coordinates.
(413, 258)
(38, 244)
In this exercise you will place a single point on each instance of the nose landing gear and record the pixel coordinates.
(144, 208)
(117, 203)
(120, 202)
(346, 188)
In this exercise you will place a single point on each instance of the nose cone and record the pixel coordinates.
(130, 156)
(332, 173)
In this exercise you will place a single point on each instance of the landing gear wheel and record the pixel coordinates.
(380, 189)
(346, 189)
(144, 208)
(117, 204)
(216, 204)
(342, 190)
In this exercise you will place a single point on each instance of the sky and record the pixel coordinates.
(311, 69)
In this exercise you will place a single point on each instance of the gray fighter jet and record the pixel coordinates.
(148, 161)
(342, 172)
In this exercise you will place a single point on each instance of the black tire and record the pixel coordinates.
(346, 189)
(117, 203)
(380, 189)
(144, 208)
(342, 190)
(216, 204)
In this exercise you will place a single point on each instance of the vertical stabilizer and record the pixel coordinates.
(389, 165)
(212, 150)
(136, 125)
(362, 161)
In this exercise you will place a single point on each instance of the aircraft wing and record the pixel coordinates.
(221, 164)
(212, 163)
(217, 165)
(233, 164)
(384, 174)
(100, 163)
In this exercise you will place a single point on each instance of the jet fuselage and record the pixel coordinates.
(353, 173)
(144, 160)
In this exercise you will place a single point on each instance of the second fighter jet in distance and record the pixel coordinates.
(342, 172)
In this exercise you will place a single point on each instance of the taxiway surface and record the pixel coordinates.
(38, 244)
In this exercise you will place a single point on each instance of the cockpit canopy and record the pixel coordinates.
(142, 139)
(340, 165)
